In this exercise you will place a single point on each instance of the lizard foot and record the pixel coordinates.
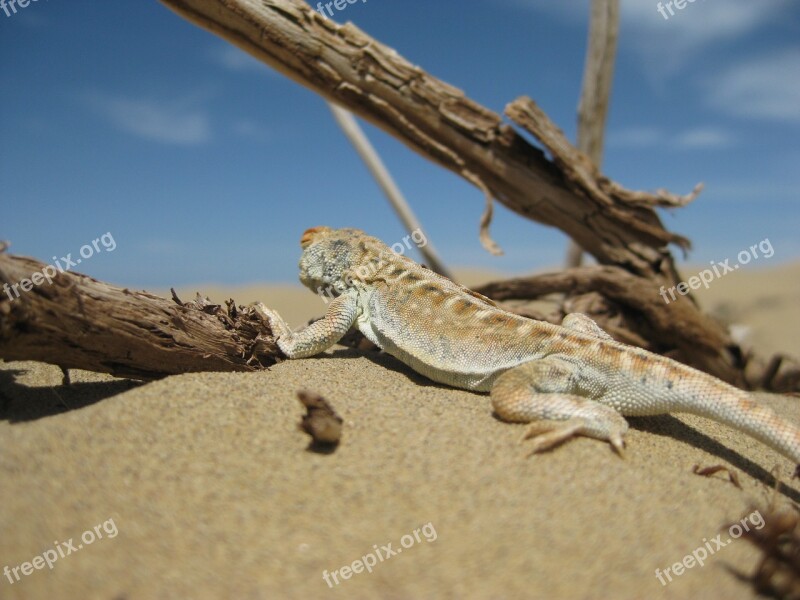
(540, 392)
(549, 434)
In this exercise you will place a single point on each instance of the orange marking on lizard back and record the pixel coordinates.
(462, 306)
(497, 319)
(437, 300)
(571, 340)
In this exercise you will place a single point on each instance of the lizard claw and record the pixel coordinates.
(618, 444)
(550, 433)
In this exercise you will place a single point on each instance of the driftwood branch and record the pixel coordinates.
(346, 66)
(581, 174)
(77, 322)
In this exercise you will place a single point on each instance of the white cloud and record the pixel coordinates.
(249, 129)
(666, 45)
(635, 137)
(233, 59)
(704, 137)
(767, 87)
(689, 139)
(169, 123)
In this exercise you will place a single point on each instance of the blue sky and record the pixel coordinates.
(206, 166)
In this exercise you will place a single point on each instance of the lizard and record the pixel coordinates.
(563, 380)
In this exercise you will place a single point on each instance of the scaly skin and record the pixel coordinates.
(566, 380)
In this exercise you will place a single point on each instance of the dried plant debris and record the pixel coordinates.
(709, 471)
(778, 572)
(261, 348)
(320, 421)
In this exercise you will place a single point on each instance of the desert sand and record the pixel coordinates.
(202, 486)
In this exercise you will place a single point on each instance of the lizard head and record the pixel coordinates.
(328, 255)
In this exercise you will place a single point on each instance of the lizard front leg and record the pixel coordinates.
(541, 392)
(320, 335)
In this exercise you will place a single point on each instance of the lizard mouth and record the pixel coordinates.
(309, 234)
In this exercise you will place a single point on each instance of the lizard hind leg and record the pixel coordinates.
(539, 392)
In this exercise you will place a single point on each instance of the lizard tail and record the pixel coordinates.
(738, 409)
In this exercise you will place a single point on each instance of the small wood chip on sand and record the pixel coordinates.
(320, 422)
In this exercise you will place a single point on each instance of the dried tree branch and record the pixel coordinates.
(77, 322)
(598, 75)
(346, 66)
(372, 159)
(584, 177)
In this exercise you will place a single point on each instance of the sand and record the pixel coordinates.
(207, 489)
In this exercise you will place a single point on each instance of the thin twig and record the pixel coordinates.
(598, 75)
(370, 156)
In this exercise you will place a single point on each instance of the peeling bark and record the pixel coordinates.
(77, 322)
